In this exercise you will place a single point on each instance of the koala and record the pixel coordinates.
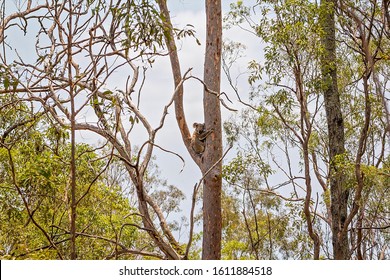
(198, 137)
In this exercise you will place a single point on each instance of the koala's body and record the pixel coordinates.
(199, 137)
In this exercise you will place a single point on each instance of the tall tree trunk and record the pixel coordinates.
(211, 162)
(73, 184)
(338, 191)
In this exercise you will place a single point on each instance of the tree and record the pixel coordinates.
(36, 194)
(299, 64)
(366, 37)
(210, 163)
(338, 192)
(74, 63)
(258, 223)
(290, 98)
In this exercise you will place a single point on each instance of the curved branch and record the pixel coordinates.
(177, 77)
(164, 225)
(29, 10)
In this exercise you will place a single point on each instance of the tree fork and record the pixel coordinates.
(212, 224)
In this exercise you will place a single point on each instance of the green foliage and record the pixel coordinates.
(144, 26)
(240, 167)
(6, 80)
(35, 179)
(256, 223)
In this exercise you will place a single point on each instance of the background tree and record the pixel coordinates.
(366, 39)
(36, 194)
(291, 114)
(69, 77)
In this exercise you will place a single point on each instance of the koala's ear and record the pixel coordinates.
(194, 125)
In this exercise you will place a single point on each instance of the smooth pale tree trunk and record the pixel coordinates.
(338, 190)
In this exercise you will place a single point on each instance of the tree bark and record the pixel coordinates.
(211, 160)
(338, 191)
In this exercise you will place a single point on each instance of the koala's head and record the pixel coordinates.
(199, 127)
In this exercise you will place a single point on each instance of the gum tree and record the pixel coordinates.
(337, 182)
(210, 162)
(312, 74)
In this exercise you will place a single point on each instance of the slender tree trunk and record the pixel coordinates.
(309, 220)
(211, 161)
(305, 129)
(338, 191)
(73, 206)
